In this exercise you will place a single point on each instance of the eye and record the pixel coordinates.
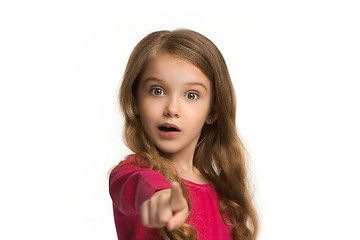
(192, 95)
(157, 91)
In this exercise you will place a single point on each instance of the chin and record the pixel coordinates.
(167, 150)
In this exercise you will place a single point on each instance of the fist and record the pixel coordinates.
(166, 207)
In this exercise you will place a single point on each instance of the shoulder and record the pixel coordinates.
(130, 162)
(134, 169)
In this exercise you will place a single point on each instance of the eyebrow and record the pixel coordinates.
(187, 83)
(152, 79)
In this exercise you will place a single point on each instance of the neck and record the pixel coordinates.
(183, 164)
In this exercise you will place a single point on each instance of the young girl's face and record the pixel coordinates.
(173, 102)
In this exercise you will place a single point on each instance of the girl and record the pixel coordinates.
(187, 176)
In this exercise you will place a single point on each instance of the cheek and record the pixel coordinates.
(148, 110)
(198, 116)
(204, 109)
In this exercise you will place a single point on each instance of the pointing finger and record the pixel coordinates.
(177, 200)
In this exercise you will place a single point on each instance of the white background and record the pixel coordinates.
(295, 66)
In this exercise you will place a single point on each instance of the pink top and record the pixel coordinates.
(130, 186)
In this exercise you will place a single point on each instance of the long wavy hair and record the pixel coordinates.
(220, 154)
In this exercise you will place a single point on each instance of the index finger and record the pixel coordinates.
(177, 200)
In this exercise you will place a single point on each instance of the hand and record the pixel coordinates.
(166, 207)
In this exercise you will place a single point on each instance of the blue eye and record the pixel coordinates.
(157, 91)
(192, 95)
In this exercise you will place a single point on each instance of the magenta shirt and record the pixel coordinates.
(130, 186)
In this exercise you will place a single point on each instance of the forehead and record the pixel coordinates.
(170, 68)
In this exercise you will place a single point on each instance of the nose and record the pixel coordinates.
(172, 108)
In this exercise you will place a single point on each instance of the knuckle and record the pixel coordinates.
(143, 206)
(153, 203)
(162, 219)
(143, 220)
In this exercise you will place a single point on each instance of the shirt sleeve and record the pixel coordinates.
(130, 186)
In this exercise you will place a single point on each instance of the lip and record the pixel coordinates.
(169, 134)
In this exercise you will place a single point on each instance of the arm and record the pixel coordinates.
(130, 186)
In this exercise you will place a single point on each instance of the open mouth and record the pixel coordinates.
(168, 129)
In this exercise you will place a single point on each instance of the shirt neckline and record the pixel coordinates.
(198, 185)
